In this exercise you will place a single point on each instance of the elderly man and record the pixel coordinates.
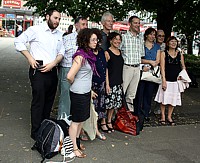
(107, 22)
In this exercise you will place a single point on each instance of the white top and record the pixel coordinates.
(70, 45)
(44, 44)
(19, 28)
(83, 80)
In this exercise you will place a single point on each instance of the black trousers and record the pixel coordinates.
(44, 86)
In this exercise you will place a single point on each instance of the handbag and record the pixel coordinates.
(153, 75)
(125, 121)
(90, 125)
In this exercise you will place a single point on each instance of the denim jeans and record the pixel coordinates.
(144, 97)
(64, 85)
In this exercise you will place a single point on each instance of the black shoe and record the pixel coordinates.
(147, 119)
(33, 137)
(106, 131)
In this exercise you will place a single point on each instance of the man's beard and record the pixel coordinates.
(50, 24)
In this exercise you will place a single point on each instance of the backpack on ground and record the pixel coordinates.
(67, 150)
(50, 137)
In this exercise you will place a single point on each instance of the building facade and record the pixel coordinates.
(13, 12)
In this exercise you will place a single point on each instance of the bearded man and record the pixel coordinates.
(46, 51)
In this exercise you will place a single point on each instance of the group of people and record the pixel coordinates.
(98, 64)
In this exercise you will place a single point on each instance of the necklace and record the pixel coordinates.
(172, 59)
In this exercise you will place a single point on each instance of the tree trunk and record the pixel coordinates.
(189, 43)
(165, 16)
(165, 20)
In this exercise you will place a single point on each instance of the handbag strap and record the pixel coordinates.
(155, 73)
(124, 103)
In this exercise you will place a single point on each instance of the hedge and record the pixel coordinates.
(192, 63)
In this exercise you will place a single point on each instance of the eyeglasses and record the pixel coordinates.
(110, 21)
(160, 35)
(94, 40)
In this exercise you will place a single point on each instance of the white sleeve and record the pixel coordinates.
(25, 37)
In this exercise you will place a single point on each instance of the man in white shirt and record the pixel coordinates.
(70, 45)
(46, 51)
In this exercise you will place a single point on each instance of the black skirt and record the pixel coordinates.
(80, 106)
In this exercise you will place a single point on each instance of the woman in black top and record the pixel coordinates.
(172, 62)
(113, 77)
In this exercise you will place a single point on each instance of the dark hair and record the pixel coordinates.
(83, 38)
(50, 11)
(168, 40)
(113, 35)
(149, 31)
(79, 18)
(70, 29)
(99, 37)
(131, 18)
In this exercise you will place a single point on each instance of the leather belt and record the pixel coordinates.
(135, 65)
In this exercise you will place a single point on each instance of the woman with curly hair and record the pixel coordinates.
(80, 77)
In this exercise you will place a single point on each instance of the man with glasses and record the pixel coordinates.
(132, 47)
(160, 39)
(70, 48)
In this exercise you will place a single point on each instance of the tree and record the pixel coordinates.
(85, 8)
(164, 9)
(188, 21)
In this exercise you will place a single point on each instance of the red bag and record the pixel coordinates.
(126, 122)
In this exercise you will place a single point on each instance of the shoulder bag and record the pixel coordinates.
(153, 75)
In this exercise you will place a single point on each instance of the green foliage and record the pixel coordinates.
(85, 8)
(165, 10)
(192, 63)
(187, 21)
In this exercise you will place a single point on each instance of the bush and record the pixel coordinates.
(192, 63)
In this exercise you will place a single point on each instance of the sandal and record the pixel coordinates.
(79, 145)
(83, 136)
(101, 136)
(110, 128)
(107, 131)
(81, 154)
(162, 122)
(171, 123)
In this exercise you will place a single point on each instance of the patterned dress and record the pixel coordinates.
(115, 68)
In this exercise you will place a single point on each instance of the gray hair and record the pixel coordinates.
(160, 30)
(105, 15)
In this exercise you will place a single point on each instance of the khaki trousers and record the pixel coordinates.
(131, 77)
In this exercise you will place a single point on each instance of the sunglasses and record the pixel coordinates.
(160, 35)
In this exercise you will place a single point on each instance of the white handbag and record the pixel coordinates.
(90, 125)
(65, 118)
(153, 75)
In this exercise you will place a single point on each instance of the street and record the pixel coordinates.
(156, 144)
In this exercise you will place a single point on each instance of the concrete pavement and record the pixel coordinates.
(159, 144)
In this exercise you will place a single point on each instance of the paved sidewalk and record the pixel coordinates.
(158, 144)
